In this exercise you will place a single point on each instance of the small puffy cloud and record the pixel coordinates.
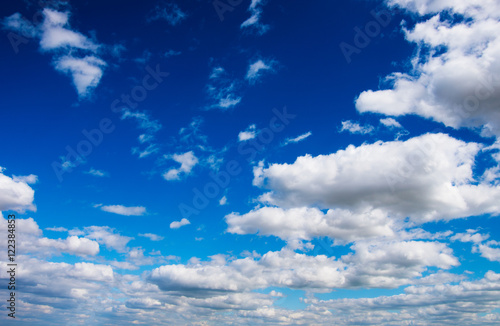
(248, 134)
(124, 210)
(470, 236)
(151, 236)
(178, 224)
(390, 123)
(297, 139)
(15, 193)
(257, 69)
(73, 53)
(169, 12)
(355, 128)
(223, 201)
(97, 173)
(489, 250)
(55, 35)
(187, 160)
(86, 72)
(253, 23)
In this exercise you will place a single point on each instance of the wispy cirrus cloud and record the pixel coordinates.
(258, 68)
(297, 139)
(97, 173)
(149, 126)
(253, 24)
(247, 134)
(144, 120)
(169, 12)
(355, 128)
(222, 89)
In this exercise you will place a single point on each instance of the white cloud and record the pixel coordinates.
(73, 53)
(73, 245)
(454, 78)
(429, 177)
(29, 179)
(55, 36)
(386, 264)
(151, 236)
(171, 53)
(143, 303)
(192, 134)
(222, 89)
(474, 8)
(490, 250)
(470, 236)
(432, 305)
(355, 128)
(297, 139)
(30, 238)
(178, 224)
(253, 23)
(124, 210)
(151, 149)
(104, 235)
(57, 229)
(257, 69)
(15, 193)
(228, 102)
(297, 224)
(144, 121)
(144, 138)
(217, 72)
(86, 72)
(223, 201)
(187, 160)
(248, 134)
(18, 23)
(97, 173)
(390, 123)
(170, 12)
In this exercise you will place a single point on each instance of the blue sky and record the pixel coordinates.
(252, 162)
